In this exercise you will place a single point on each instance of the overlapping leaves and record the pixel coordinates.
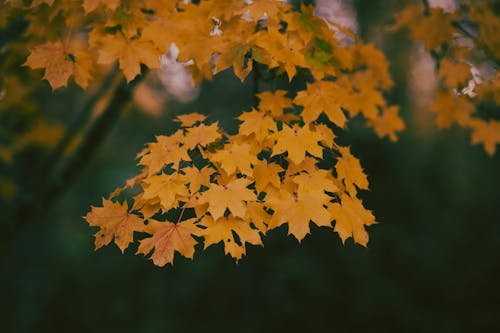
(201, 185)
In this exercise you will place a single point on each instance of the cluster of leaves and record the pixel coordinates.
(282, 167)
(465, 44)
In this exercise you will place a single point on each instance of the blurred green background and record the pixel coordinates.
(431, 264)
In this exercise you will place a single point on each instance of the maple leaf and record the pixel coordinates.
(198, 178)
(285, 50)
(167, 238)
(320, 97)
(222, 230)
(190, 119)
(274, 102)
(235, 157)
(201, 135)
(266, 174)
(258, 123)
(167, 188)
(60, 63)
(350, 171)
(435, 28)
(297, 141)
(351, 218)
(114, 221)
(257, 215)
(232, 196)
(130, 53)
(167, 150)
(298, 210)
(388, 123)
(327, 136)
(451, 108)
(236, 43)
(487, 133)
(454, 74)
(316, 182)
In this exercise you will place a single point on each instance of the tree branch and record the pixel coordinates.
(61, 178)
(79, 122)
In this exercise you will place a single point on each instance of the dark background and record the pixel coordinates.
(431, 264)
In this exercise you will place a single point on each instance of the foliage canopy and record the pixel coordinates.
(201, 184)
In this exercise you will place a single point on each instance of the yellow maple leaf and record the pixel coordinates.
(167, 150)
(297, 141)
(236, 42)
(349, 170)
(258, 123)
(285, 50)
(130, 53)
(266, 174)
(61, 62)
(232, 196)
(201, 135)
(115, 222)
(235, 157)
(388, 123)
(167, 188)
(167, 238)
(190, 119)
(316, 182)
(454, 74)
(197, 178)
(298, 210)
(321, 97)
(327, 136)
(450, 108)
(487, 133)
(222, 230)
(257, 215)
(274, 102)
(351, 217)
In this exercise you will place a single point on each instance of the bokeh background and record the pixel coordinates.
(431, 264)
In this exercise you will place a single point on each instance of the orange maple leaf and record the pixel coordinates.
(61, 62)
(114, 221)
(298, 210)
(167, 150)
(388, 123)
(130, 53)
(222, 230)
(487, 133)
(321, 97)
(201, 135)
(167, 238)
(297, 141)
(350, 171)
(166, 188)
(232, 196)
(190, 119)
(351, 218)
(266, 174)
(235, 157)
(258, 123)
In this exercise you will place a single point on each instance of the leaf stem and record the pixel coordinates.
(181, 214)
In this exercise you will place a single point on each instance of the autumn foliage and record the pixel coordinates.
(201, 184)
